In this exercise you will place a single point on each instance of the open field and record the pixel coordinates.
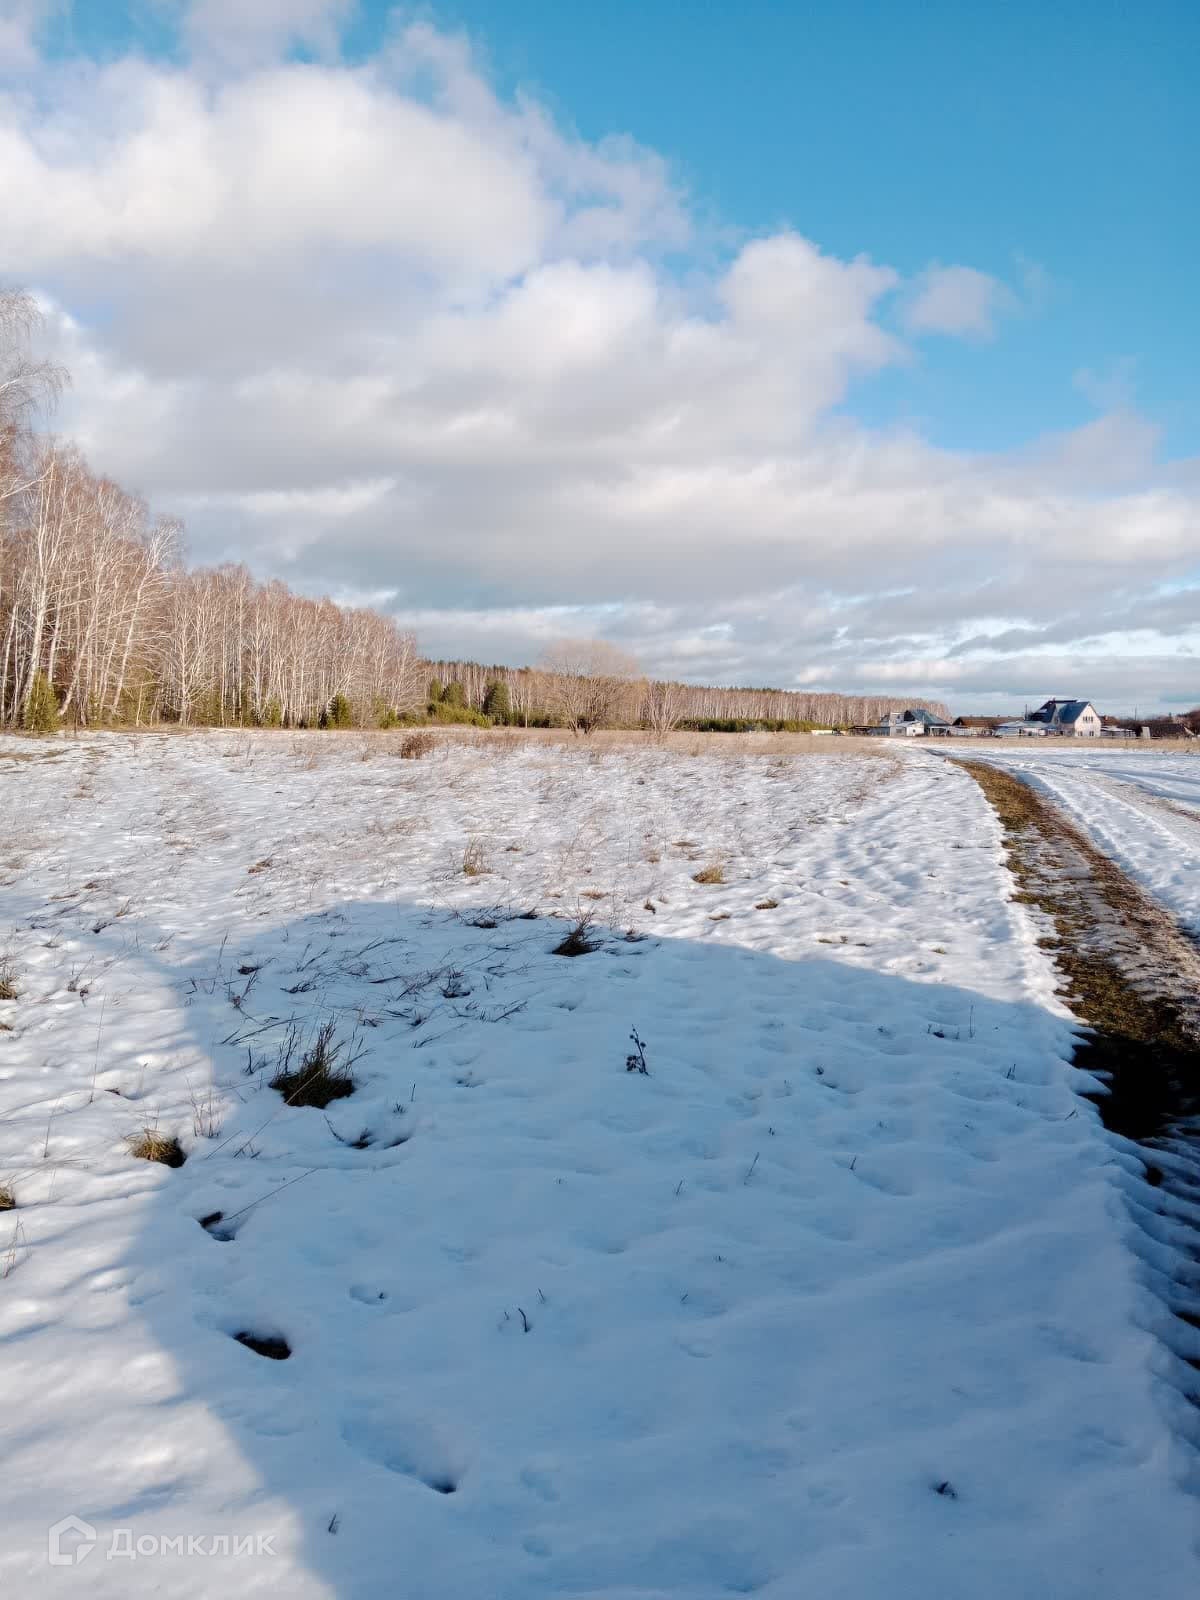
(842, 1295)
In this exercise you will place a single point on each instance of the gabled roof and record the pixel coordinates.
(1060, 711)
(919, 714)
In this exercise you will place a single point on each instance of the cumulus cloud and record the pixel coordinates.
(956, 300)
(245, 32)
(384, 332)
(20, 24)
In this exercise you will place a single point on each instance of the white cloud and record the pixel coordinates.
(20, 24)
(155, 172)
(956, 300)
(381, 331)
(1111, 388)
(246, 32)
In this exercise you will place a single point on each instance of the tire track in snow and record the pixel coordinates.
(1151, 837)
(1135, 980)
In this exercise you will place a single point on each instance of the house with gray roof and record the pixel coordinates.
(910, 724)
(927, 719)
(1074, 718)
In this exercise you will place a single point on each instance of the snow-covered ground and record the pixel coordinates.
(1140, 807)
(842, 1298)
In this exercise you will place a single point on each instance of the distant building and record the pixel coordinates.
(893, 726)
(910, 724)
(1019, 729)
(927, 719)
(1073, 718)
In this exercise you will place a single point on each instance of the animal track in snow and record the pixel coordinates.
(412, 1449)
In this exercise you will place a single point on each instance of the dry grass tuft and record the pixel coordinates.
(264, 865)
(8, 1200)
(578, 941)
(149, 1144)
(8, 984)
(474, 861)
(206, 1113)
(714, 873)
(322, 1074)
(766, 905)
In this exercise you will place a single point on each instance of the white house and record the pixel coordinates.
(911, 724)
(1073, 718)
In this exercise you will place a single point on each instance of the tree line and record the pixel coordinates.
(102, 622)
(588, 683)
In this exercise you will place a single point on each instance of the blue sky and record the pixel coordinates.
(1054, 146)
(846, 345)
(1065, 135)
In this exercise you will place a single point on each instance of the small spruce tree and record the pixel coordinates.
(452, 695)
(41, 709)
(340, 713)
(496, 702)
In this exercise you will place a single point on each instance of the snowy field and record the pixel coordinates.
(1141, 808)
(841, 1298)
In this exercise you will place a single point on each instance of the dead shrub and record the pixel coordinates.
(150, 1144)
(415, 746)
(307, 752)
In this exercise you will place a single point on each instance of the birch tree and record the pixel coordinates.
(590, 681)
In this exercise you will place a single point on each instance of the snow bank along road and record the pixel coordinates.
(841, 1298)
(1142, 809)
